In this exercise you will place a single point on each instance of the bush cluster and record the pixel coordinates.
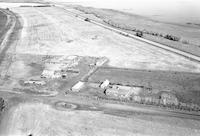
(139, 33)
(171, 37)
(159, 102)
(2, 104)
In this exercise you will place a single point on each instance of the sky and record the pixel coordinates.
(167, 10)
(139, 3)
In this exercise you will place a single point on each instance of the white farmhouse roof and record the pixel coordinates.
(105, 84)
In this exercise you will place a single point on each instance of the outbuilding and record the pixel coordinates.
(78, 86)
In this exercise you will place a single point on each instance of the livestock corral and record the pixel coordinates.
(46, 75)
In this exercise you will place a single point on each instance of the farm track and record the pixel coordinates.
(117, 108)
(137, 108)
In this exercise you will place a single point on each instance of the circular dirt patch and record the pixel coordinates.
(65, 106)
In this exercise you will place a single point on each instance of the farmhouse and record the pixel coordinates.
(122, 91)
(105, 84)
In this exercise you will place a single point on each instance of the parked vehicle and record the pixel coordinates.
(87, 19)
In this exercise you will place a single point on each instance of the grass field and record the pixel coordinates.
(42, 120)
(152, 29)
(50, 31)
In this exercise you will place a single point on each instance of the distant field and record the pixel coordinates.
(21, 1)
(188, 35)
